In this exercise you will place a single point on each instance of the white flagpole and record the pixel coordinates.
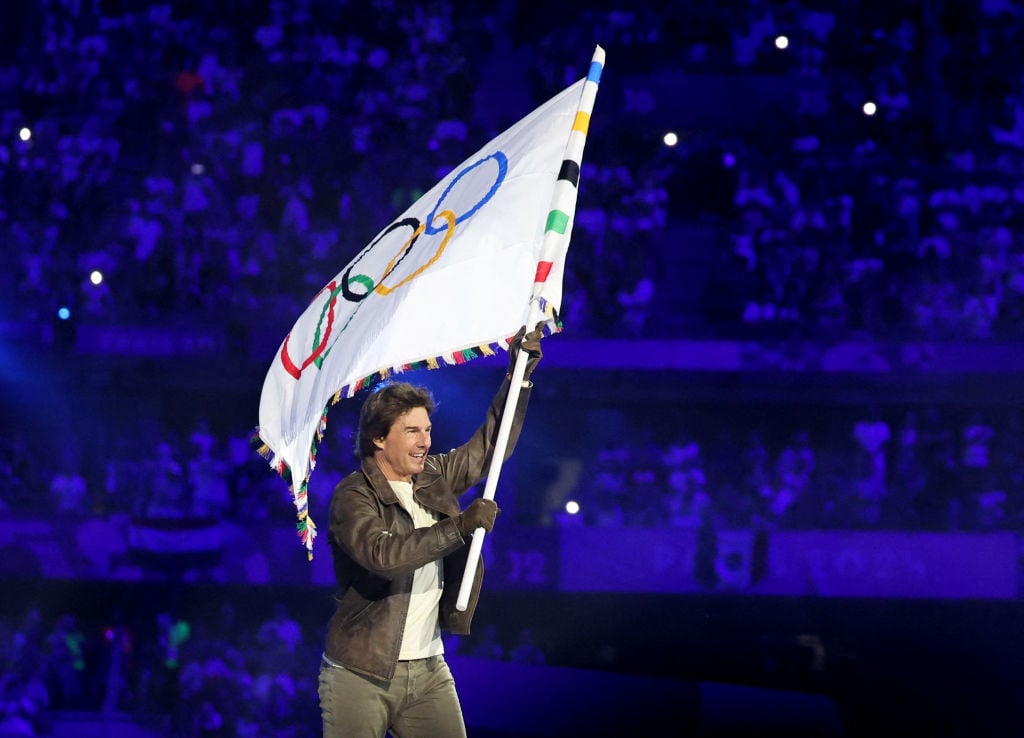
(498, 457)
(564, 195)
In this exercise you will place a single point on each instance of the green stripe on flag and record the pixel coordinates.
(557, 221)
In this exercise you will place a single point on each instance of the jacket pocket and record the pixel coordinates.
(360, 598)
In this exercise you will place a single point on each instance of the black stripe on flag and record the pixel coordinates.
(570, 171)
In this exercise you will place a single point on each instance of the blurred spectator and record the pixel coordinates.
(68, 491)
(872, 435)
(280, 634)
(167, 491)
(525, 650)
(66, 656)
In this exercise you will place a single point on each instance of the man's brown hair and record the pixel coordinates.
(387, 403)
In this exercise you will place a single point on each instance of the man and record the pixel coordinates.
(399, 540)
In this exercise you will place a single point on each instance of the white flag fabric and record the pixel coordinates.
(452, 278)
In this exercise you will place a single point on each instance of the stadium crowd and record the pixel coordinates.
(219, 162)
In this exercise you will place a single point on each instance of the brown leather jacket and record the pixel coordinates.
(376, 549)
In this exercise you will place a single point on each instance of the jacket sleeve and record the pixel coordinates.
(359, 529)
(466, 465)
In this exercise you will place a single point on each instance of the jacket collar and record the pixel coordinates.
(379, 483)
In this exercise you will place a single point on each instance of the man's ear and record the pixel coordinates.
(379, 442)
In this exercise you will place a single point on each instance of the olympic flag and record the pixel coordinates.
(451, 279)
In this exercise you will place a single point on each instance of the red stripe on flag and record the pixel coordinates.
(543, 270)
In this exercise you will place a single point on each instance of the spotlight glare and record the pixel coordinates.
(96, 277)
(870, 108)
(572, 507)
(63, 313)
(670, 139)
(25, 134)
(781, 42)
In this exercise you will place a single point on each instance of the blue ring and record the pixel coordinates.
(502, 171)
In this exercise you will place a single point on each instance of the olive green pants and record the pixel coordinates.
(419, 702)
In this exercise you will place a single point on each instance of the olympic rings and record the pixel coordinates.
(348, 280)
(323, 336)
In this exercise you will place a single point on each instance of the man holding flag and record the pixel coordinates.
(398, 538)
(478, 255)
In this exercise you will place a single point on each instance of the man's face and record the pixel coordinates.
(401, 453)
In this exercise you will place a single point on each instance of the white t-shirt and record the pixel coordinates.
(422, 635)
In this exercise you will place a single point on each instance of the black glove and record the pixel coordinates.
(529, 342)
(480, 514)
